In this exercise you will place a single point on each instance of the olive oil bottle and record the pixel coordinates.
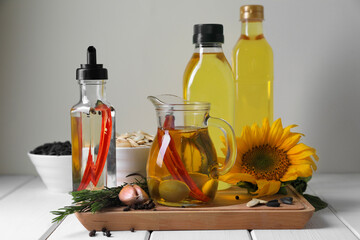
(252, 63)
(208, 77)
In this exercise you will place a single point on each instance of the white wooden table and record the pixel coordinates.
(25, 207)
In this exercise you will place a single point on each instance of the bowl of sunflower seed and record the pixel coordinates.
(132, 150)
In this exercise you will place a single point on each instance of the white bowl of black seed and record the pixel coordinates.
(53, 162)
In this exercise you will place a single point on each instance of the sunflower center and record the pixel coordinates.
(265, 162)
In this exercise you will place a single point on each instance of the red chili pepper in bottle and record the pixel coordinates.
(93, 129)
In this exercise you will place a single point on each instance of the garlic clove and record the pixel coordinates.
(141, 194)
(133, 194)
(128, 195)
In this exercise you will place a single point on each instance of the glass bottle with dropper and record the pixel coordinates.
(252, 63)
(93, 129)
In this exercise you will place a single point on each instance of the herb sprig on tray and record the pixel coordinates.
(94, 201)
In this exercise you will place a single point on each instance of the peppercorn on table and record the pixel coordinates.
(25, 206)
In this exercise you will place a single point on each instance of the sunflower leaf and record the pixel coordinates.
(282, 190)
(300, 184)
(306, 179)
(317, 203)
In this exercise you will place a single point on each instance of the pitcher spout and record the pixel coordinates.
(165, 99)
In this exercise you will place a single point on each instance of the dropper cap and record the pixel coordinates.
(91, 70)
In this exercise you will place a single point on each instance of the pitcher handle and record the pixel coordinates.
(228, 131)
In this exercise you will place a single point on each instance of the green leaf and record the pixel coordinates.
(300, 184)
(317, 203)
(282, 190)
(306, 179)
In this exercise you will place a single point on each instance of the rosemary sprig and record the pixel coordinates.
(94, 201)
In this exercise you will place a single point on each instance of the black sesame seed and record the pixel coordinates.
(132, 229)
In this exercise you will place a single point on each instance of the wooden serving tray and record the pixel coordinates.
(224, 213)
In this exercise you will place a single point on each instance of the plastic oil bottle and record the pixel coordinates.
(252, 63)
(208, 77)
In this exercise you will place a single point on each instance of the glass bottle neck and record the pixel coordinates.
(252, 29)
(208, 48)
(92, 90)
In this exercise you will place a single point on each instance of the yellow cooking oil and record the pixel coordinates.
(208, 77)
(252, 64)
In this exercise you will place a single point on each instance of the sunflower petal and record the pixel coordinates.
(255, 130)
(303, 154)
(285, 135)
(290, 175)
(234, 178)
(241, 146)
(223, 141)
(246, 136)
(266, 187)
(307, 160)
(276, 131)
(299, 148)
(290, 142)
(265, 130)
(295, 171)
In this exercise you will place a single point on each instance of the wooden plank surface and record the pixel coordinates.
(71, 228)
(342, 192)
(9, 183)
(198, 235)
(25, 213)
(324, 225)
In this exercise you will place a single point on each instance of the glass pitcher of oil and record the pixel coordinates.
(182, 168)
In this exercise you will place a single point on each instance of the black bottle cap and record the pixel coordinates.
(208, 33)
(91, 70)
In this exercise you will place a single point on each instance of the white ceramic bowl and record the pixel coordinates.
(54, 171)
(130, 160)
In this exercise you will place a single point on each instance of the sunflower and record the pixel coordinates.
(269, 156)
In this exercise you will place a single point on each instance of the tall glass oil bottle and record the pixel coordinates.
(93, 129)
(208, 77)
(252, 63)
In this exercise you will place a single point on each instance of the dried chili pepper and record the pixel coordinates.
(174, 164)
(93, 171)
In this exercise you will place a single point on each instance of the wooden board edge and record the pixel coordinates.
(305, 202)
(187, 220)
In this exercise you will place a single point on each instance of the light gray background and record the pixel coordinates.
(146, 45)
